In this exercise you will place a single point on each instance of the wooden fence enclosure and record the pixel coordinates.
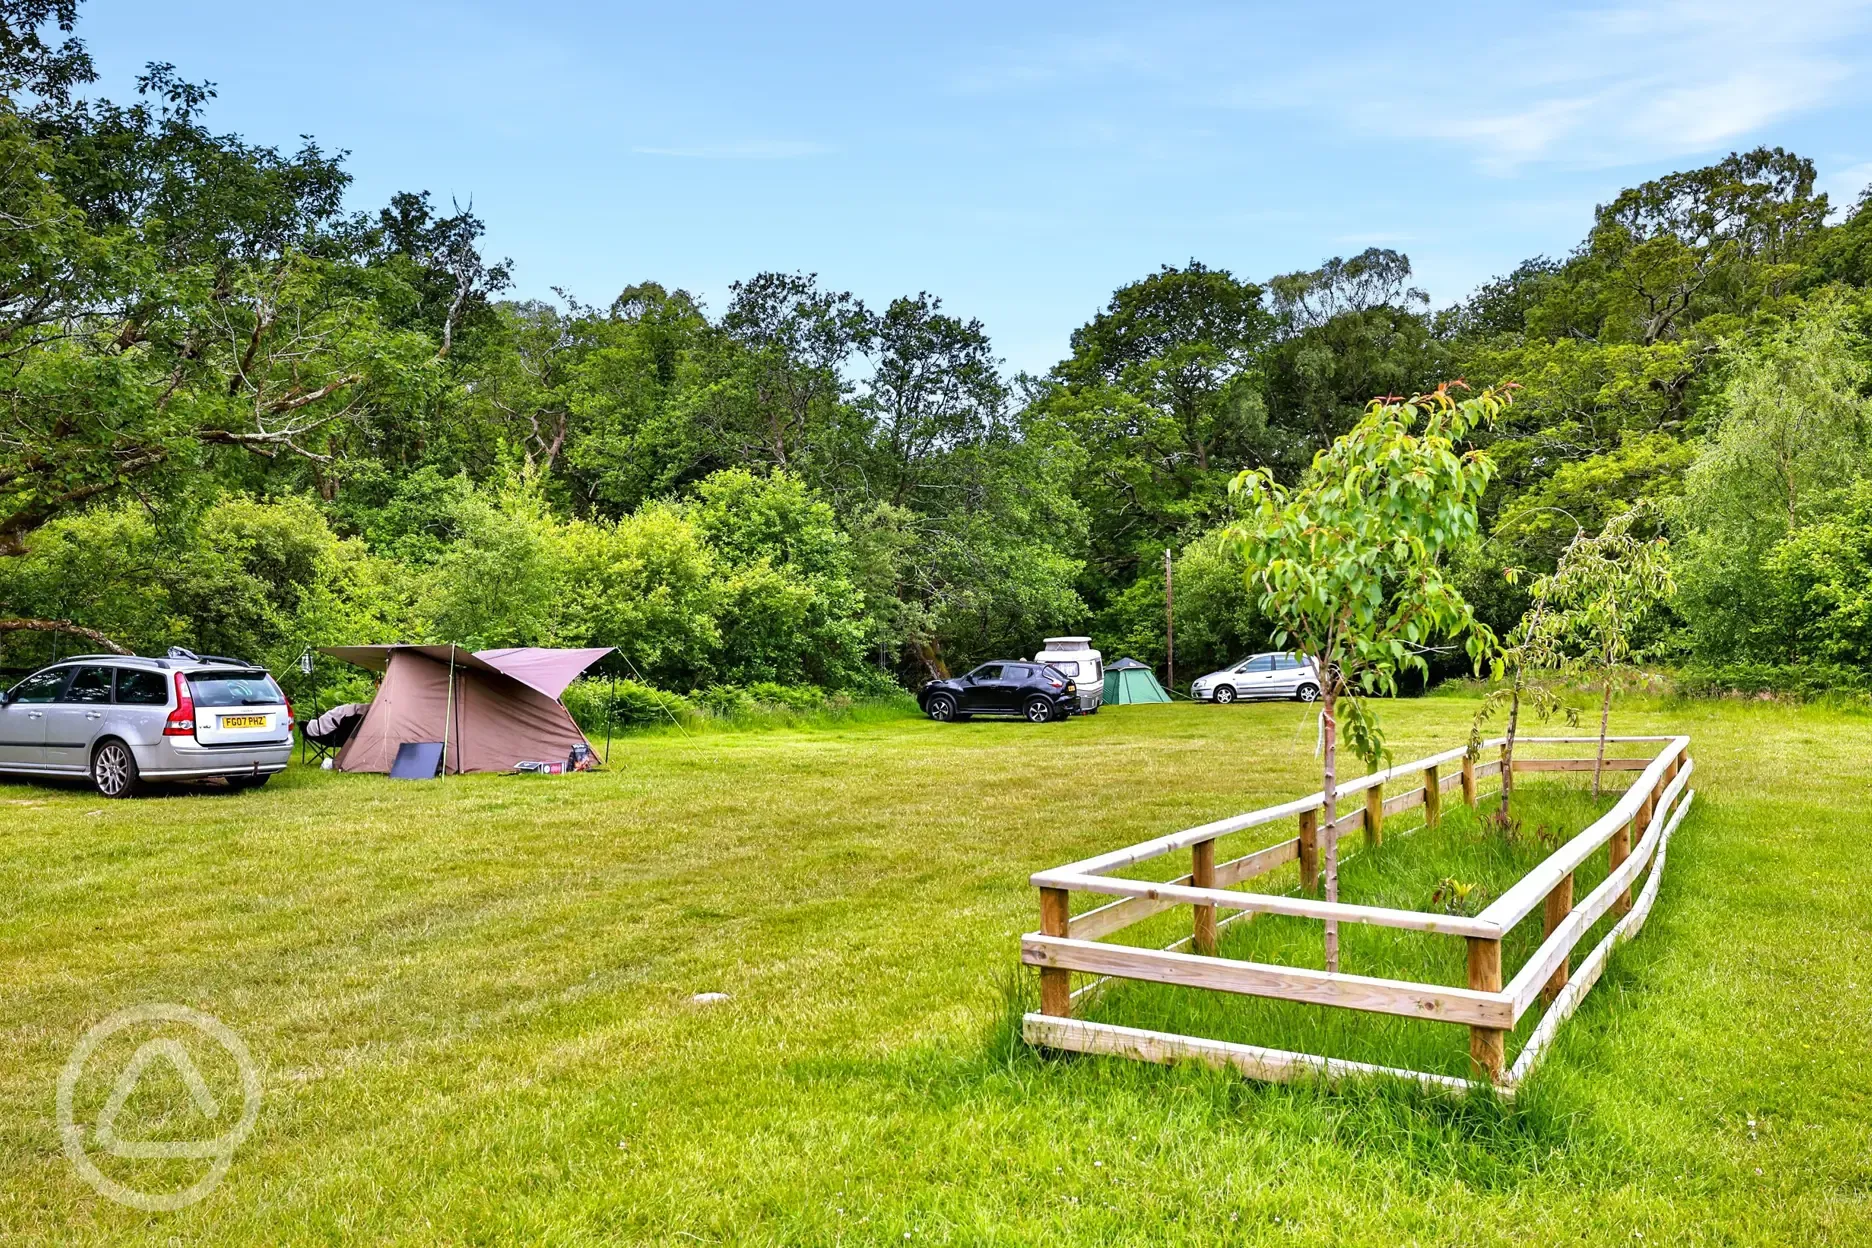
(1634, 834)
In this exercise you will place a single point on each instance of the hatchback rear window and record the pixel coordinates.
(234, 689)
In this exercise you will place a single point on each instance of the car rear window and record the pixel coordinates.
(136, 688)
(234, 689)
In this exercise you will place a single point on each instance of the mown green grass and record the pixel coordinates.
(471, 1003)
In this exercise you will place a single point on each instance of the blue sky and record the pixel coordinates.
(1021, 161)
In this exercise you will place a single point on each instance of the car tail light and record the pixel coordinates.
(289, 713)
(182, 719)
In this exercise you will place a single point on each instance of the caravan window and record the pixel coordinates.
(1067, 666)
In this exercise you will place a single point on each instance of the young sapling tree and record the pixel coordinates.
(1599, 592)
(1348, 566)
(1533, 659)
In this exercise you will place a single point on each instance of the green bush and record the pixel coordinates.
(793, 697)
(1794, 680)
(620, 706)
(599, 706)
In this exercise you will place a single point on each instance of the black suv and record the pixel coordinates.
(1035, 691)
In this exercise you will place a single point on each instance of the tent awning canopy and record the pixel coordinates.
(377, 658)
(536, 667)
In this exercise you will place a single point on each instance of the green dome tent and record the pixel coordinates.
(1128, 680)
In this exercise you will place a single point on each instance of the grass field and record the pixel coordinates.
(471, 1004)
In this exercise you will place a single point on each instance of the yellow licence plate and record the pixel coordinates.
(244, 721)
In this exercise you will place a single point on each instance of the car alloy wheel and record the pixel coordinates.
(113, 770)
(1038, 711)
(1225, 694)
(942, 708)
(1308, 693)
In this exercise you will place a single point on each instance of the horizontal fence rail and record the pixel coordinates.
(1634, 833)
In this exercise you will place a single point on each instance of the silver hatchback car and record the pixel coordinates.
(1260, 676)
(123, 721)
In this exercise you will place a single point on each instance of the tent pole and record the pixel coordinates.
(610, 710)
(448, 712)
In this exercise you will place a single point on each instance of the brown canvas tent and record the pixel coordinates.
(491, 708)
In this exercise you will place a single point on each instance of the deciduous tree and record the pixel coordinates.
(1349, 565)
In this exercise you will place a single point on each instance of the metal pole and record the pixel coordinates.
(448, 713)
(610, 710)
(1169, 624)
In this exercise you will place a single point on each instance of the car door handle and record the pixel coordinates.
(35, 714)
(94, 714)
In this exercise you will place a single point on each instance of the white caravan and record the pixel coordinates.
(1076, 657)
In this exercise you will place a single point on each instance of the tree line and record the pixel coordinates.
(241, 416)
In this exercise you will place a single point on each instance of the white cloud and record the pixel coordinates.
(1626, 82)
(743, 149)
(1066, 60)
(1612, 86)
(1843, 187)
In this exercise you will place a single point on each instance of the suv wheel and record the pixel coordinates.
(114, 770)
(942, 708)
(1307, 693)
(1225, 694)
(1039, 711)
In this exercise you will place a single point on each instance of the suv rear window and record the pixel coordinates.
(234, 689)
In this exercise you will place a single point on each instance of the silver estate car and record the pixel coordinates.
(1260, 676)
(123, 721)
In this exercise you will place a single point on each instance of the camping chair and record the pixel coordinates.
(327, 734)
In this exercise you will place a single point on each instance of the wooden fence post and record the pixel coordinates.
(1621, 850)
(1468, 780)
(1055, 983)
(1487, 1045)
(1559, 905)
(1202, 875)
(1309, 850)
(1374, 815)
(1432, 798)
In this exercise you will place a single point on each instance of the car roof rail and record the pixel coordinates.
(228, 659)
